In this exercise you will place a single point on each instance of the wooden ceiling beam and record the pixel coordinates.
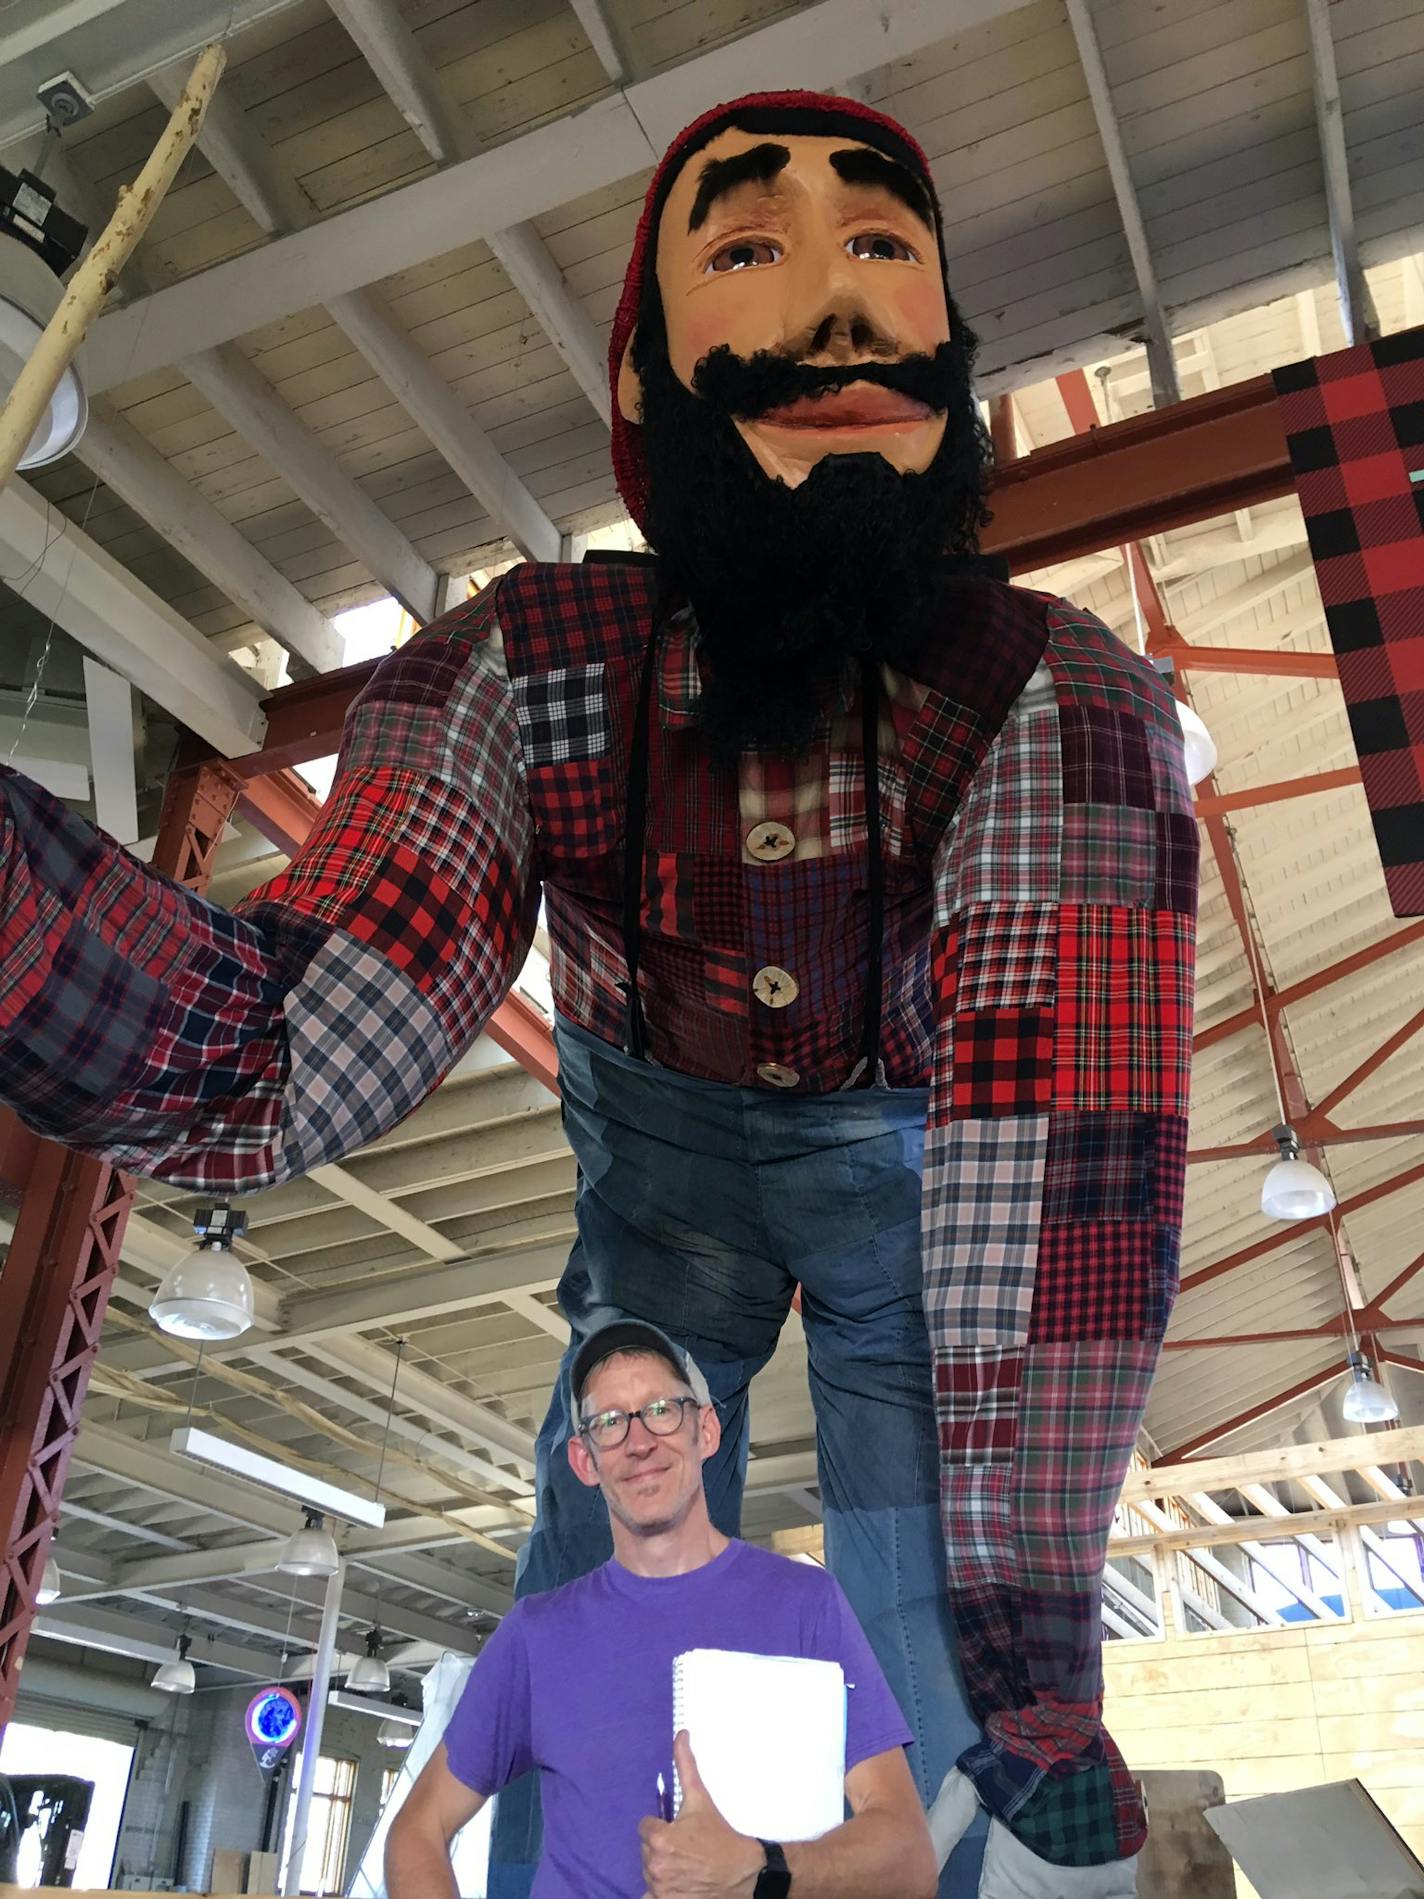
(1357, 311)
(608, 43)
(124, 624)
(816, 46)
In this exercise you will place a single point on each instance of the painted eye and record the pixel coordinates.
(881, 248)
(746, 254)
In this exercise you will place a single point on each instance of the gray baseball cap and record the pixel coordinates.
(633, 1335)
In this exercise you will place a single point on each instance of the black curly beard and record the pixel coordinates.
(794, 587)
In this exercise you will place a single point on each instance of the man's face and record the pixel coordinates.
(649, 1483)
(820, 249)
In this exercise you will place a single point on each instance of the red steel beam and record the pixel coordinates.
(1190, 1446)
(1372, 1062)
(1317, 1129)
(58, 1274)
(1400, 1280)
(1123, 481)
(1260, 661)
(1312, 985)
(1212, 803)
(17, 1154)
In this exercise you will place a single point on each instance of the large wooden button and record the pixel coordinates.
(768, 843)
(775, 987)
(777, 1075)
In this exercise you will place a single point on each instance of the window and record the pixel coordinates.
(389, 1777)
(329, 1825)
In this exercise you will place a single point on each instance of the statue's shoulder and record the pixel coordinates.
(555, 614)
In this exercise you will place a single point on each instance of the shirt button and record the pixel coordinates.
(770, 842)
(777, 1075)
(774, 987)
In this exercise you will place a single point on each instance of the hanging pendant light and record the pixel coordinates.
(370, 1675)
(1366, 1400)
(395, 1734)
(51, 1584)
(207, 1295)
(1197, 742)
(177, 1677)
(1293, 1189)
(310, 1551)
(38, 243)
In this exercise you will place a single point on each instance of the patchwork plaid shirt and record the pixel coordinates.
(1039, 857)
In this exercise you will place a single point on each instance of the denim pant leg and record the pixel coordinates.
(852, 1211)
(637, 1257)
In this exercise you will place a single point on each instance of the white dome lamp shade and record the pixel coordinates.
(176, 1677)
(51, 1584)
(207, 1295)
(1197, 742)
(37, 242)
(1366, 1401)
(395, 1734)
(310, 1551)
(1293, 1189)
(370, 1675)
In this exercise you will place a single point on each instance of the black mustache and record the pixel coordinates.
(751, 386)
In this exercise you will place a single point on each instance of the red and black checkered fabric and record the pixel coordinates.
(1354, 424)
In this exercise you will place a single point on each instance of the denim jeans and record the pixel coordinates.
(701, 1207)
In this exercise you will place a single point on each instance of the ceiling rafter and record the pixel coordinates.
(1161, 362)
(602, 144)
(237, 153)
(1357, 310)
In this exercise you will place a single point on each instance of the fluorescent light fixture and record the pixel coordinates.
(238, 1461)
(367, 1704)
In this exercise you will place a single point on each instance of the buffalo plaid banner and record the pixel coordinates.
(1354, 424)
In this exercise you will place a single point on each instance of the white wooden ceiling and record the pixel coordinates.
(360, 349)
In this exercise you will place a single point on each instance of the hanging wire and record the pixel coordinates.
(193, 1382)
(390, 1412)
(1249, 935)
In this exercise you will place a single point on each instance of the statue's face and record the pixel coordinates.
(816, 248)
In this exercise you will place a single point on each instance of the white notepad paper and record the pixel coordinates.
(768, 1736)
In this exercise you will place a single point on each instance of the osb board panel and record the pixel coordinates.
(1276, 1710)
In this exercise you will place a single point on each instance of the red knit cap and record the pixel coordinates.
(628, 466)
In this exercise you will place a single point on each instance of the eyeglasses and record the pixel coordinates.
(661, 1416)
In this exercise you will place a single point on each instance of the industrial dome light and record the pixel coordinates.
(1293, 1189)
(51, 1585)
(310, 1551)
(38, 242)
(177, 1677)
(1197, 742)
(1366, 1401)
(395, 1734)
(208, 1294)
(371, 1674)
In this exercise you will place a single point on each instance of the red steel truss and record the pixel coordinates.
(54, 1290)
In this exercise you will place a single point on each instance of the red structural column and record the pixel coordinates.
(55, 1284)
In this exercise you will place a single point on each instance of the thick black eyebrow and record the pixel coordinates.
(758, 165)
(862, 166)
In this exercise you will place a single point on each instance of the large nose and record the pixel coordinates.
(834, 313)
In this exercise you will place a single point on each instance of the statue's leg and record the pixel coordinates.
(710, 1286)
(848, 1216)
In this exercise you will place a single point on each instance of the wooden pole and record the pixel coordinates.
(96, 276)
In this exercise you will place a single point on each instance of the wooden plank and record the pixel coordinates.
(1284, 1460)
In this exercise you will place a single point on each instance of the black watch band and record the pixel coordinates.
(774, 1879)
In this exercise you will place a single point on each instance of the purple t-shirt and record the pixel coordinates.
(578, 1683)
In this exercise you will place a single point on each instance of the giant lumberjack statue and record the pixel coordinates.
(870, 885)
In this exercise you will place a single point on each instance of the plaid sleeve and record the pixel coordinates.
(1054, 1170)
(231, 1051)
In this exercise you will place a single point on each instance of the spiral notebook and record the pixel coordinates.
(768, 1735)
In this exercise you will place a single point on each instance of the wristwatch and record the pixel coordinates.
(774, 1879)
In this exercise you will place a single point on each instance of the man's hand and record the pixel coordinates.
(697, 1855)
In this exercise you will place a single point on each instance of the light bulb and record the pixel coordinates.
(310, 1551)
(1293, 1189)
(395, 1734)
(1366, 1401)
(208, 1295)
(1197, 742)
(51, 1585)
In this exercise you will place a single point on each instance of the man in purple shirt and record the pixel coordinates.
(578, 1681)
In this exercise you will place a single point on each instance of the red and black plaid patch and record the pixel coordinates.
(1003, 1063)
(1354, 425)
(410, 914)
(1124, 1009)
(1102, 1279)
